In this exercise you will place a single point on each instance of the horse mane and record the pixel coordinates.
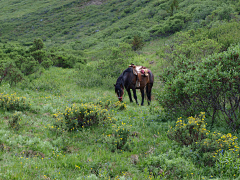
(120, 80)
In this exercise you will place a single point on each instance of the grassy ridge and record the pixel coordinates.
(81, 25)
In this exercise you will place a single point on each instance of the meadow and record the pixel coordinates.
(60, 117)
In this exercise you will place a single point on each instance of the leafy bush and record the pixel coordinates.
(225, 34)
(37, 45)
(137, 43)
(66, 61)
(12, 102)
(187, 133)
(14, 122)
(39, 55)
(191, 44)
(81, 115)
(173, 24)
(9, 72)
(193, 133)
(166, 167)
(29, 66)
(119, 140)
(191, 88)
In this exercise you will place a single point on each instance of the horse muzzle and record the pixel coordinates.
(120, 98)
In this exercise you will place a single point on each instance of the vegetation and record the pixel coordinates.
(60, 118)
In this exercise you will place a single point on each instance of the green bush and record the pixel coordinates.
(12, 102)
(9, 72)
(80, 116)
(192, 87)
(37, 45)
(15, 121)
(29, 66)
(192, 44)
(190, 131)
(137, 43)
(66, 61)
(47, 63)
(173, 24)
(205, 144)
(119, 140)
(166, 167)
(39, 55)
(225, 34)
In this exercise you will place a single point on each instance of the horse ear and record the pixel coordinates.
(114, 84)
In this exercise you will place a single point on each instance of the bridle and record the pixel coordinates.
(120, 96)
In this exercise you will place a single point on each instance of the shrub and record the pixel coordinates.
(206, 145)
(187, 133)
(47, 63)
(192, 44)
(29, 66)
(171, 25)
(39, 55)
(14, 122)
(12, 102)
(192, 87)
(37, 45)
(119, 140)
(137, 43)
(81, 115)
(66, 61)
(119, 105)
(9, 72)
(166, 167)
(225, 34)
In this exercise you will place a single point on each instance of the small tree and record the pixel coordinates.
(137, 43)
(37, 45)
(173, 5)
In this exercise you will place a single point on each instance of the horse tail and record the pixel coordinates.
(151, 77)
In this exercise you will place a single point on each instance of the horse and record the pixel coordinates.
(128, 80)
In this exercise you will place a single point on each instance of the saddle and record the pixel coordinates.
(139, 71)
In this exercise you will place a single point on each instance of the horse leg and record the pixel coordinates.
(130, 95)
(148, 92)
(135, 95)
(142, 93)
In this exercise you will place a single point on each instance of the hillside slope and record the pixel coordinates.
(85, 24)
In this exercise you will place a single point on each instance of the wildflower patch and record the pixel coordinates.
(207, 145)
(10, 102)
(81, 115)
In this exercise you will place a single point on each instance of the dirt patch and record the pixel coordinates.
(31, 153)
(94, 2)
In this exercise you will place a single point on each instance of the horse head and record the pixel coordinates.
(119, 90)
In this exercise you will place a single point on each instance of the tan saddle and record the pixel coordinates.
(139, 71)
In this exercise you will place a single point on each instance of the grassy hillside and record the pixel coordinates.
(84, 24)
(59, 115)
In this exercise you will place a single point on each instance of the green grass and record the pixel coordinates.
(37, 148)
(72, 154)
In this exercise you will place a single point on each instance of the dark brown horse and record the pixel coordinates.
(128, 80)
